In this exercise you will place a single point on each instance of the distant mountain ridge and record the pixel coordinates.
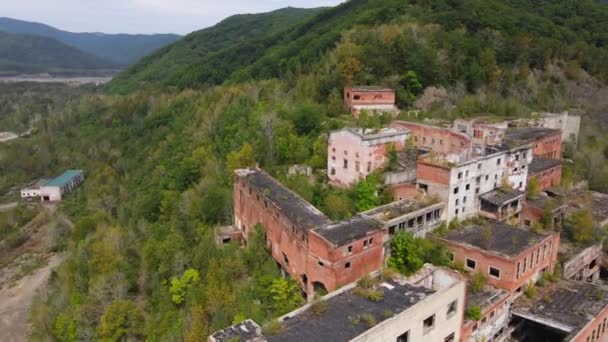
(205, 48)
(121, 49)
(35, 54)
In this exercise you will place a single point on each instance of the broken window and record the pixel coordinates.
(455, 190)
(347, 265)
(472, 264)
(405, 337)
(350, 249)
(346, 163)
(452, 307)
(459, 175)
(285, 259)
(498, 161)
(494, 272)
(451, 338)
(357, 97)
(428, 324)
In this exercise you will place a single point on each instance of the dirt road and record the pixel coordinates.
(15, 302)
(9, 206)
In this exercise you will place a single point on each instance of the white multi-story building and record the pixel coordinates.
(460, 185)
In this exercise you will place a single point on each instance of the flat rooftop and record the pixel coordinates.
(372, 88)
(542, 164)
(244, 331)
(294, 207)
(348, 230)
(495, 237)
(572, 304)
(372, 134)
(342, 320)
(542, 201)
(401, 208)
(599, 206)
(500, 197)
(485, 299)
(65, 178)
(526, 135)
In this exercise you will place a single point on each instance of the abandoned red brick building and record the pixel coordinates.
(547, 171)
(507, 256)
(318, 253)
(547, 142)
(369, 98)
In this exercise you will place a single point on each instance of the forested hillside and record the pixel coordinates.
(205, 49)
(32, 54)
(510, 30)
(120, 49)
(143, 262)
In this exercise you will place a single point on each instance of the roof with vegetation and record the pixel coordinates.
(294, 207)
(372, 88)
(350, 314)
(502, 196)
(570, 303)
(485, 298)
(401, 208)
(495, 237)
(244, 331)
(521, 136)
(65, 178)
(542, 164)
(350, 229)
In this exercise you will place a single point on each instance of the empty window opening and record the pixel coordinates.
(428, 324)
(472, 264)
(495, 272)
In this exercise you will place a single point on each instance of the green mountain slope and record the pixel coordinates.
(122, 49)
(204, 48)
(33, 54)
(556, 27)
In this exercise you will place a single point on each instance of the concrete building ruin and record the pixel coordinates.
(428, 306)
(353, 154)
(370, 99)
(54, 189)
(566, 311)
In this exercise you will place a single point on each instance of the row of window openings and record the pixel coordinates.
(472, 264)
(429, 324)
(596, 333)
(468, 186)
(436, 215)
(485, 319)
(433, 141)
(346, 153)
(530, 263)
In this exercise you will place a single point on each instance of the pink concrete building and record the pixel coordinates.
(352, 154)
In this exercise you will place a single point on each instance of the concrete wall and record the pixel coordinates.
(496, 317)
(362, 157)
(579, 267)
(471, 179)
(29, 193)
(412, 319)
(50, 193)
(569, 125)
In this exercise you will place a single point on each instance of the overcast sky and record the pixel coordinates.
(140, 16)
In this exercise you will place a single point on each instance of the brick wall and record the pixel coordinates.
(596, 330)
(509, 278)
(548, 178)
(304, 254)
(354, 97)
(439, 139)
(549, 146)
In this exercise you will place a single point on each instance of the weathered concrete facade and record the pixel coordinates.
(352, 154)
(583, 265)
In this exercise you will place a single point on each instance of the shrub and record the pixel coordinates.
(473, 313)
(478, 282)
(369, 320)
(530, 291)
(272, 328)
(319, 307)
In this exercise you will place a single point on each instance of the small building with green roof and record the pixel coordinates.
(57, 187)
